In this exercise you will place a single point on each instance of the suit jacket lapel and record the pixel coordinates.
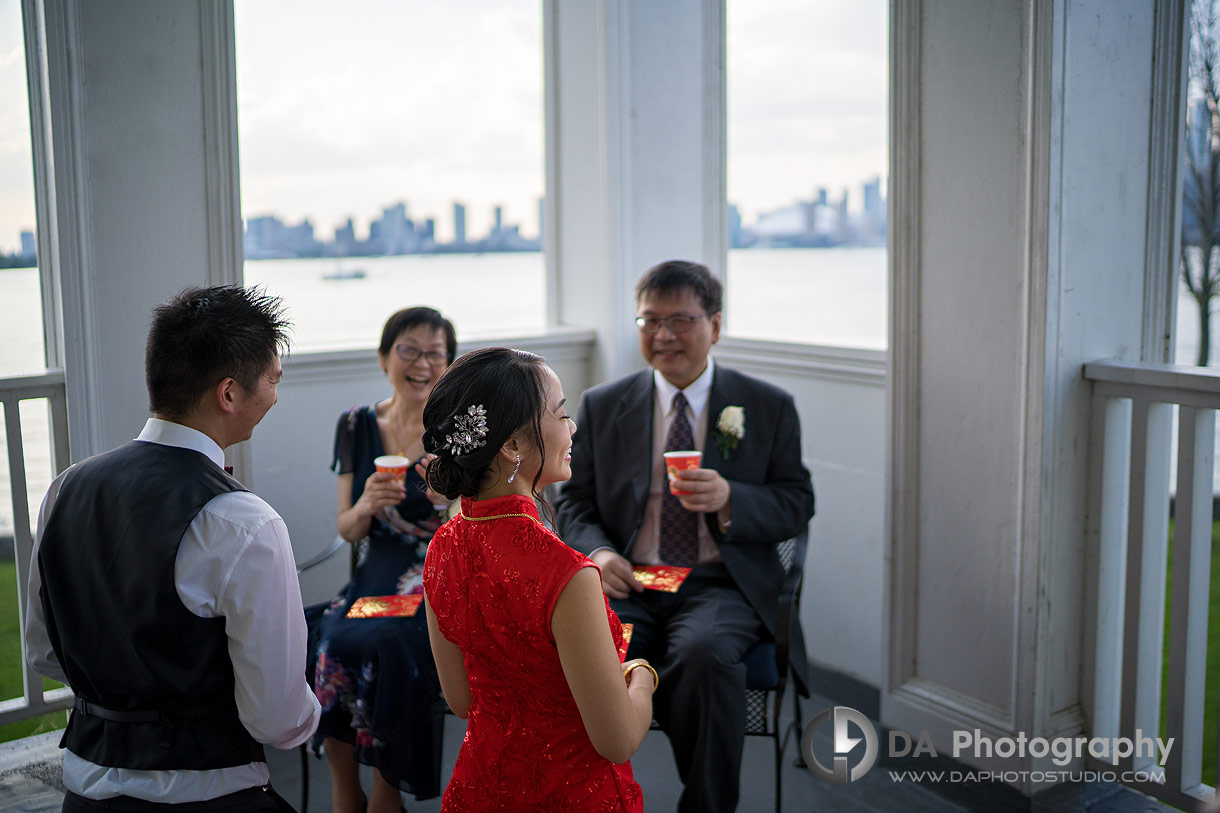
(635, 435)
(721, 395)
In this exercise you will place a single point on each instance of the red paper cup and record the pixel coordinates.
(678, 461)
(393, 464)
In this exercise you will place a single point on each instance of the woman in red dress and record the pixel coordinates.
(526, 646)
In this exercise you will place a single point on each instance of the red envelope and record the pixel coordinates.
(661, 577)
(385, 606)
(622, 650)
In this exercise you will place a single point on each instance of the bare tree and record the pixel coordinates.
(1201, 190)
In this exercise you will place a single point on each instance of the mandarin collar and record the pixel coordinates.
(508, 504)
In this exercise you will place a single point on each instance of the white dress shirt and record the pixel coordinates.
(646, 548)
(235, 561)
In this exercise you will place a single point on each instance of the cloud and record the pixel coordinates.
(346, 108)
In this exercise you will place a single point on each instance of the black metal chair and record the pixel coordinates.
(313, 613)
(768, 667)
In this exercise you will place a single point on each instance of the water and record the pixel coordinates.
(831, 297)
(483, 294)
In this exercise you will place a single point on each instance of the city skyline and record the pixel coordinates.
(388, 101)
(820, 221)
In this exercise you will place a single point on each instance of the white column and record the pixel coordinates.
(1025, 140)
(635, 156)
(140, 179)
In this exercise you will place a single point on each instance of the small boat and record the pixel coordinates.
(339, 273)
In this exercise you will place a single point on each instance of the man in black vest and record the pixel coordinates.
(164, 593)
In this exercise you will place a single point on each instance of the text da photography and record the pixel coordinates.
(850, 745)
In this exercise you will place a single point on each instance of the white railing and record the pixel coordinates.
(49, 387)
(1133, 417)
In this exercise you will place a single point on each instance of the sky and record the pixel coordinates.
(345, 109)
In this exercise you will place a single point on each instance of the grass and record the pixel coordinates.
(10, 662)
(1211, 696)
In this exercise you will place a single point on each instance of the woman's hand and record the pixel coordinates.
(381, 490)
(421, 468)
(638, 672)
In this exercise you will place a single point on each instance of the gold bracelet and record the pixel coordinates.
(656, 680)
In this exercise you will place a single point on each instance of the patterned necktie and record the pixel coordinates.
(679, 528)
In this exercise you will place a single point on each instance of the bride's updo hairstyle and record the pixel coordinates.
(508, 388)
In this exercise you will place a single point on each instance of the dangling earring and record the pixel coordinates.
(513, 476)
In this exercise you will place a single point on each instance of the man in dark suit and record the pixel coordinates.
(751, 492)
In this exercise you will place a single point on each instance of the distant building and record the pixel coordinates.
(872, 226)
(345, 239)
(262, 235)
(397, 231)
(499, 221)
(267, 237)
(29, 247)
(459, 224)
(735, 240)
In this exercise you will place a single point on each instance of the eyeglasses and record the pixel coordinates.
(411, 355)
(676, 324)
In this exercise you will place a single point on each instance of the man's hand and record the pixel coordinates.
(709, 491)
(618, 580)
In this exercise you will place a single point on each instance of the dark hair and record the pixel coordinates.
(408, 318)
(676, 276)
(205, 335)
(510, 385)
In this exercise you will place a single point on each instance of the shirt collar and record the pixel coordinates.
(696, 392)
(168, 433)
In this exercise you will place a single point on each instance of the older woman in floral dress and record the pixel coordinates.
(375, 677)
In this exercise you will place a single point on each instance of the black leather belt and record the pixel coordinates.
(150, 715)
(117, 715)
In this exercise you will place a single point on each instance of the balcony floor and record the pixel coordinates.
(29, 782)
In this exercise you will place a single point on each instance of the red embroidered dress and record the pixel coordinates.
(493, 584)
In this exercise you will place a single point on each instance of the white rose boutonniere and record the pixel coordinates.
(730, 428)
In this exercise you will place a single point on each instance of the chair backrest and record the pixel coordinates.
(792, 551)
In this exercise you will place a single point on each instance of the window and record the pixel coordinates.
(21, 348)
(807, 161)
(21, 341)
(1199, 265)
(391, 155)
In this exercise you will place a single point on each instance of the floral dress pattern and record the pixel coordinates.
(375, 677)
(493, 581)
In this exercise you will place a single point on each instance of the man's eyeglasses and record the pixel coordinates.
(676, 324)
(411, 355)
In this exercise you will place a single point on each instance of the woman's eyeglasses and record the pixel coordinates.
(411, 354)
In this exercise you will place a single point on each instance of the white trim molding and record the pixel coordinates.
(73, 255)
(1166, 141)
(902, 474)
